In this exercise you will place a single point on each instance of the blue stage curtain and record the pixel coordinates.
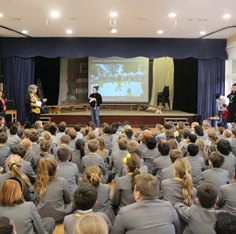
(177, 48)
(211, 80)
(18, 75)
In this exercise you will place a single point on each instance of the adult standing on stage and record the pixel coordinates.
(95, 99)
(32, 104)
(231, 117)
(2, 105)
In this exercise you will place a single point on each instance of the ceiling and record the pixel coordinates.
(136, 18)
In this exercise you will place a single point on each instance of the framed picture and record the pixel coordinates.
(83, 68)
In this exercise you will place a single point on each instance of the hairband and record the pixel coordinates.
(13, 164)
(16, 179)
(94, 174)
(125, 159)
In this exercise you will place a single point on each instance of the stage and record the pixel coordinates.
(110, 116)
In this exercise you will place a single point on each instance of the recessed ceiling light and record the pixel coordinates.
(1, 15)
(114, 30)
(160, 32)
(113, 14)
(226, 16)
(202, 32)
(172, 15)
(24, 31)
(55, 14)
(68, 31)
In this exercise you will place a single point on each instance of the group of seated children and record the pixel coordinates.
(177, 179)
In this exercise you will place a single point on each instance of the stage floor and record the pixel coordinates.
(113, 112)
(135, 117)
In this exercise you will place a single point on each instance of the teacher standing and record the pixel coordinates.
(231, 117)
(2, 105)
(95, 99)
(32, 106)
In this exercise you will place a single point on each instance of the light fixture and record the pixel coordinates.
(1, 15)
(68, 31)
(172, 15)
(55, 14)
(24, 31)
(114, 30)
(160, 32)
(113, 14)
(226, 16)
(202, 32)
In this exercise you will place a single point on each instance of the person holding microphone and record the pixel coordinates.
(2, 105)
(95, 99)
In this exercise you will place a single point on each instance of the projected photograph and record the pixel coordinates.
(120, 79)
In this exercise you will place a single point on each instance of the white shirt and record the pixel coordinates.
(220, 101)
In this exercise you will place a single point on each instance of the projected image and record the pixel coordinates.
(119, 79)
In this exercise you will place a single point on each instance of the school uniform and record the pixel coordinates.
(183, 146)
(220, 137)
(108, 139)
(69, 171)
(92, 159)
(36, 148)
(60, 134)
(233, 145)
(167, 173)
(4, 153)
(47, 155)
(85, 139)
(226, 198)
(178, 135)
(172, 190)
(200, 220)
(156, 133)
(160, 163)
(123, 194)
(197, 167)
(103, 199)
(115, 147)
(229, 164)
(27, 220)
(70, 220)
(148, 156)
(72, 145)
(76, 159)
(216, 176)
(55, 142)
(60, 146)
(212, 148)
(32, 158)
(142, 146)
(123, 170)
(28, 195)
(147, 216)
(56, 201)
(201, 137)
(120, 129)
(138, 133)
(27, 169)
(12, 141)
(116, 159)
(200, 154)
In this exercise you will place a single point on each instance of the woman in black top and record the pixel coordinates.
(2, 105)
(95, 99)
(231, 117)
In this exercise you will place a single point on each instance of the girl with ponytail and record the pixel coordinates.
(52, 193)
(180, 188)
(14, 163)
(45, 149)
(123, 191)
(93, 175)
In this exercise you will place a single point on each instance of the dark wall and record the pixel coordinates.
(48, 70)
(185, 85)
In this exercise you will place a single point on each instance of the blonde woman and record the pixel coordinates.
(180, 188)
(31, 104)
(14, 163)
(91, 224)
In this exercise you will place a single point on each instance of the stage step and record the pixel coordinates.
(45, 119)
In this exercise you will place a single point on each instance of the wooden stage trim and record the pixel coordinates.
(135, 117)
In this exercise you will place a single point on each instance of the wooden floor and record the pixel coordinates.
(59, 229)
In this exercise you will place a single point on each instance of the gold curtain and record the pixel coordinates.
(163, 75)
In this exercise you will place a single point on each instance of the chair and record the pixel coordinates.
(164, 97)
